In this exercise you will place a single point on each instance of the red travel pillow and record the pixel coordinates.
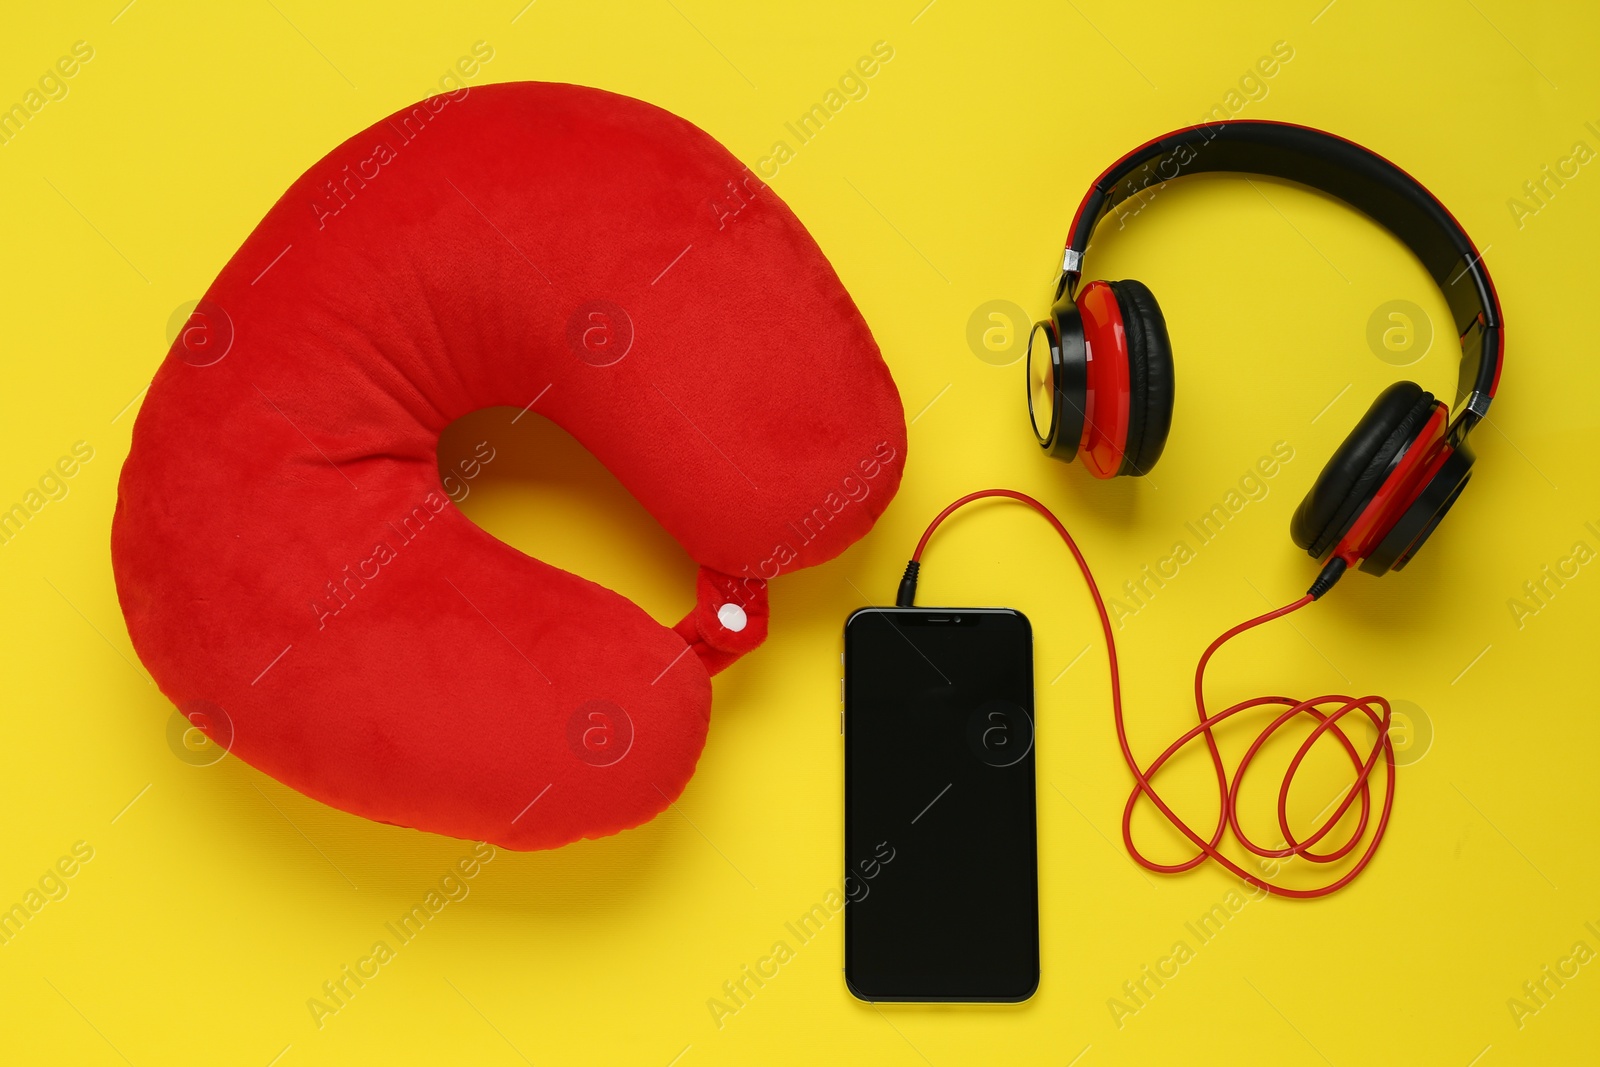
(293, 572)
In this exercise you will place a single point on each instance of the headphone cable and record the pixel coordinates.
(1375, 708)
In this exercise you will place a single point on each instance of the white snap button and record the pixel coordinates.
(732, 617)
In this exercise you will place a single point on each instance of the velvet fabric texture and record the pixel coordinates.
(290, 567)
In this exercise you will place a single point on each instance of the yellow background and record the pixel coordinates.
(217, 902)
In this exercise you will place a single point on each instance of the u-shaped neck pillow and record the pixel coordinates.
(293, 572)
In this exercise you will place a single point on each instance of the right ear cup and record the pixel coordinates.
(1150, 377)
(1359, 466)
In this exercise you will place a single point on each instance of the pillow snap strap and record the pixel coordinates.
(729, 618)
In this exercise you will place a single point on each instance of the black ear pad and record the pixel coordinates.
(1359, 466)
(1150, 391)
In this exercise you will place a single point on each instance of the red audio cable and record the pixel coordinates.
(1327, 723)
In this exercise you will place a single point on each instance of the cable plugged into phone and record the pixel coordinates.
(906, 597)
(1327, 711)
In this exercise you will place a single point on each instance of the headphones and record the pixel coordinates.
(1100, 378)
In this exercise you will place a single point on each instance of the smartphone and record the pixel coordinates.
(941, 861)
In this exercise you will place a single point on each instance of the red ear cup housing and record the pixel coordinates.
(1386, 486)
(1357, 467)
(1110, 375)
(1446, 475)
(1109, 404)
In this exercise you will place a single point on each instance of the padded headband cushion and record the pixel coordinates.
(289, 563)
(1150, 376)
(1358, 466)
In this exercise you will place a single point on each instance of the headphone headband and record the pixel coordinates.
(1343, 169)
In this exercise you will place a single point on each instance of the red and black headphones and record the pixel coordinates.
(1106, 390)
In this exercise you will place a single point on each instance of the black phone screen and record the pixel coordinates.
(941, 865)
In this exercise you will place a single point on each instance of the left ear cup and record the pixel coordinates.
(1150, 376)
(1359, 467)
